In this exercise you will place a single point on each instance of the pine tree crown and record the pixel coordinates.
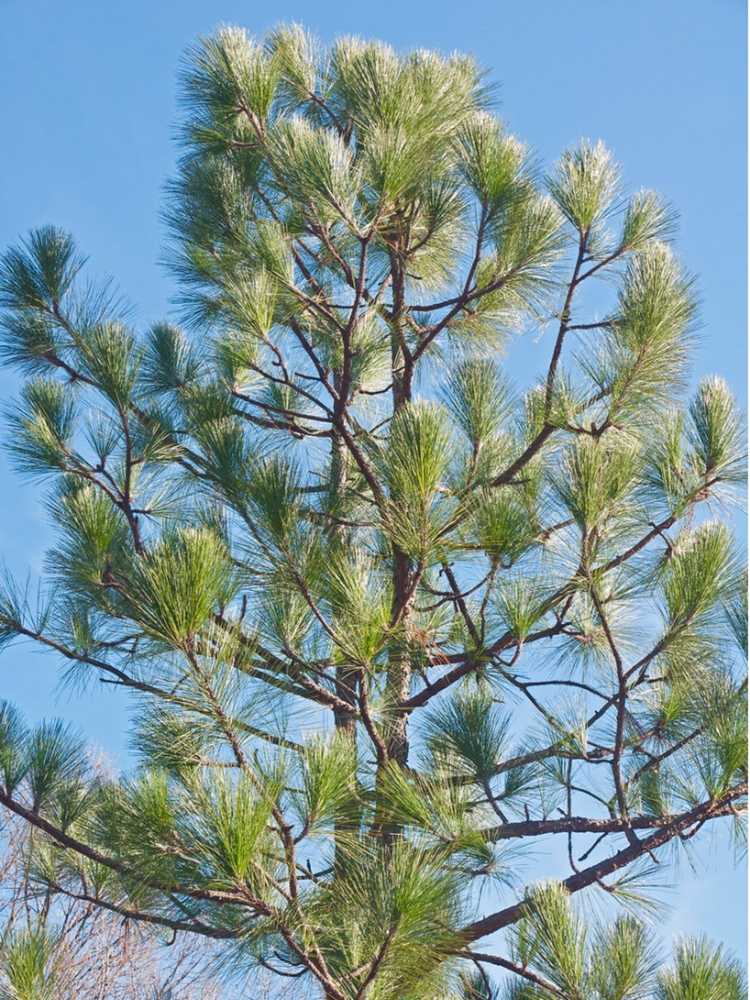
(386, 618)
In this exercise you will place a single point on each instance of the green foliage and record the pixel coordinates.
(716, 433)
(415, 467)
(417, 457)
(434, 810)
(359, 599)
(400, 904)
(329, 776)
(529, 241)
(735, 610)
(503, 526)
(315, 164)
(558, 939)
(647, 219)
(479, 399)
(170, 363)
(42, 428)
(273, 495)
(172, 591)
(39, 272)
(701, 972)
(425, 94)
(172, 741)
(596, 480)
(54, 759)
(229, 830)
(12, 746)
(468, 733)
(94, 539)
(619, 961)
(650, 333)
(28, 966)
(699, 575)
(478, 987)
(585, 185)
(521, 602)
(295, 52)
(493, 162)
(625, 961)
(225, 75)
(110, 356)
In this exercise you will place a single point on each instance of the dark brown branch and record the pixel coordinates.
(519, 970)
(141, 916)
(580, 824)
(587, 876)
(85, 850)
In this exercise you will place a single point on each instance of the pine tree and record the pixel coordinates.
(389, 623)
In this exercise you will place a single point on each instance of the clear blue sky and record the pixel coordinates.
(88, 115)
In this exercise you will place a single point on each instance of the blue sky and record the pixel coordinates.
(88, 116)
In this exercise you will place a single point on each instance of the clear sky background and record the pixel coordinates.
(87, 118)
